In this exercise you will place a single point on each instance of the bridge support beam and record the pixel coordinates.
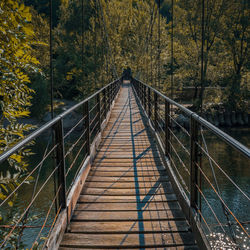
(86, 113)
(149, 103)
(99, 111)
(60, 163)
(194, 164)
(167, 129)
(156, 111)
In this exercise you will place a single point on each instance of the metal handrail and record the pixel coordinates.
(227, 138)
(190, 194)
(48, 125)
(91, 127)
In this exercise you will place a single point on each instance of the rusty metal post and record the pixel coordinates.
(99, 111)
(193, 164)
(105, 103)
(60, 162)
(86, 113)
(156, 110)
(167, 128)
(109, 99)
(145, 98)
(149, 103)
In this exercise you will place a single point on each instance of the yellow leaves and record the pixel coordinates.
(21, 7)
(65, 2)
(19, 53)
(28, 30)
(16, 56)
(17, 158)
(22, 114)
(2, 196)
(69, 76)
(10, 203)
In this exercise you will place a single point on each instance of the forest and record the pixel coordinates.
(85, 44)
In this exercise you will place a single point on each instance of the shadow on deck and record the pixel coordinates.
(127, 200)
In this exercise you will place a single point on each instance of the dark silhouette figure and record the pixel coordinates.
(127, 74)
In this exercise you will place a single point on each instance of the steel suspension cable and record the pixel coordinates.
(202, 139)
(51, 60)
(159, 43)
(202, 52)
(82, 37)
(172, 52)
(95, 42)
(107, 40)
(225, 211)
(25, 218)
(106, 49)
(148, 35)
(52, 81)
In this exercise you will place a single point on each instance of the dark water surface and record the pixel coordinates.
(236, 166)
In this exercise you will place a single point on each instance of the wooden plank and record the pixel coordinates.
(185, 247)
(100, 198)
(121, 185)
(128, 201)
(129, 157)
(127, 150)
(127, 240)
(129, 191)
(131, 206)
(130, 153)
(151, 179)
(159, 169)
(129, 227)
(146, 215)
(129, 160)
(124, 173)
(128, 164)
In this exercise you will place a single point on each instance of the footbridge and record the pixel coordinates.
(126, 175)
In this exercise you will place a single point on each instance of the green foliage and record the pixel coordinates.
(16, 60)
(225, 48)
(68, 42)
(40, 80)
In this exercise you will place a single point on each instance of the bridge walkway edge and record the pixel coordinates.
(127, 200)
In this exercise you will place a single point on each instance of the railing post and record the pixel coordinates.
(144, 96)
(140, 94)
(86, 113)
(113, 87)
(108, 90)
(105, 103)
(167, 128)
(112, 93)
(193, 164)
(60, 162)
(99, 111)
(156, 110)
(149, 103)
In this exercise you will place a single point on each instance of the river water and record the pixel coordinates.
(232, 163)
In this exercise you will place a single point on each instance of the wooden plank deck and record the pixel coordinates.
(127, 200)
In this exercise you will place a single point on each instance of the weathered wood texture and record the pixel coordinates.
(127, 200)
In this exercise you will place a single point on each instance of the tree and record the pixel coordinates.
(40, 80)
(226, 40)
(188, 34)
(72, 52)
(129, 31)
(16, 60)
(236, 37)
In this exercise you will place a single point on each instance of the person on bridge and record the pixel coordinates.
(126, 75)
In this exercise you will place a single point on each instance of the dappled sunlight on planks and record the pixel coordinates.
(128, 200)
